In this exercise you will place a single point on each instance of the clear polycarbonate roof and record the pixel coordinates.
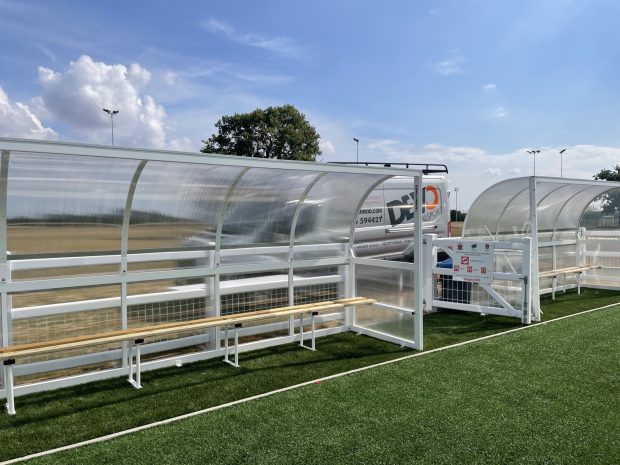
(65, 199)
(504, 208)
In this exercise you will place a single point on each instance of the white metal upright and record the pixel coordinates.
(534, 261)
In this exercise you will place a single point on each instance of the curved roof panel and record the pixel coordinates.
(504, 208)
(58, 196)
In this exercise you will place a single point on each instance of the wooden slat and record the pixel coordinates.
(569, 270)
(40, 348)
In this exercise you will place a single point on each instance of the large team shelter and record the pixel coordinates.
(114, 261)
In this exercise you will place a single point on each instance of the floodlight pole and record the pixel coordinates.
(357, 149)
(533, 153)
(111, 113)
(561, 167)
(456, 208)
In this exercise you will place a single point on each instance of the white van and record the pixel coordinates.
(384, 223)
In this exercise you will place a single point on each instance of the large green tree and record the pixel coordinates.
(610, 201)
(275, 132)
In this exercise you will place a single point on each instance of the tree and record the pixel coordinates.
(276, 132)
(611, 201)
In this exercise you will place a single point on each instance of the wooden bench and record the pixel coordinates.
(136, 337)
(577, 270)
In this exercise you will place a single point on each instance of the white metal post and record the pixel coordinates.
(430, 262)
(210, 307)
(535, 296)
(217, 307)
(350, 290)
(527, 280)
(418, 288)
(291, 291)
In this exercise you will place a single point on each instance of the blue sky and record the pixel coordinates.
(472, 84)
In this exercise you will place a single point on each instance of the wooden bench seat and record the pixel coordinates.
(136, 337)
(578, 270)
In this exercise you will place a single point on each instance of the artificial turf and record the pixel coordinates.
(55, 418)
(548, 395)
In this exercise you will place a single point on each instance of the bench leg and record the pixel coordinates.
(226, 349)
(137, 380)
(554, 281)
(579, 283)
(313, 333)
(236, 346)
(226, 344)
(8, 386)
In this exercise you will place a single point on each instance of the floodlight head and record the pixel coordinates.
(115, 112)
(107, 111)
(562, 151)
(356, 139)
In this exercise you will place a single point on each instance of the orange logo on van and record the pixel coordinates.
(432, 204)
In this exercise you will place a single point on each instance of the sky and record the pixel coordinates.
(466, 83)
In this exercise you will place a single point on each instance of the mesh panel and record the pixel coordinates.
(68, 325)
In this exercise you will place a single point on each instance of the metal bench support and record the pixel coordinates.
(8, 385)
(226, 351)
(134, 350)
(313, 332)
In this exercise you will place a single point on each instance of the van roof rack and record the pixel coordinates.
(426, 168)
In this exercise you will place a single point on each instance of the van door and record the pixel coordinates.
(370, 225)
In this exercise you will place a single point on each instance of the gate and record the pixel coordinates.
(479, 276)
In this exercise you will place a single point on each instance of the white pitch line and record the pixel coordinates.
(288, 388)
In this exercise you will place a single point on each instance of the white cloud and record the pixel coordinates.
(17, 120)
(327, 148)
(473, 169)
(489, 86)
(493, 171)
(170, 77)
(77, 96)
(281, 45)
(453, 65)
(500, 112)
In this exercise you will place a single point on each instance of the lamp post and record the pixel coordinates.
(561, 168)
(111, 113)
(456, 207)
(357, 149)
(533, 153)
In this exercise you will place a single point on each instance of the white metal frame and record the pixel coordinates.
(130, 354)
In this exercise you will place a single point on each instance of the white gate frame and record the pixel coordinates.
(432, 244)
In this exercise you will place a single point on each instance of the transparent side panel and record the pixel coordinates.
(177, 205)
(330, 208)
(388, 286)
(60, 204)
(261, 210)
(486, 211)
